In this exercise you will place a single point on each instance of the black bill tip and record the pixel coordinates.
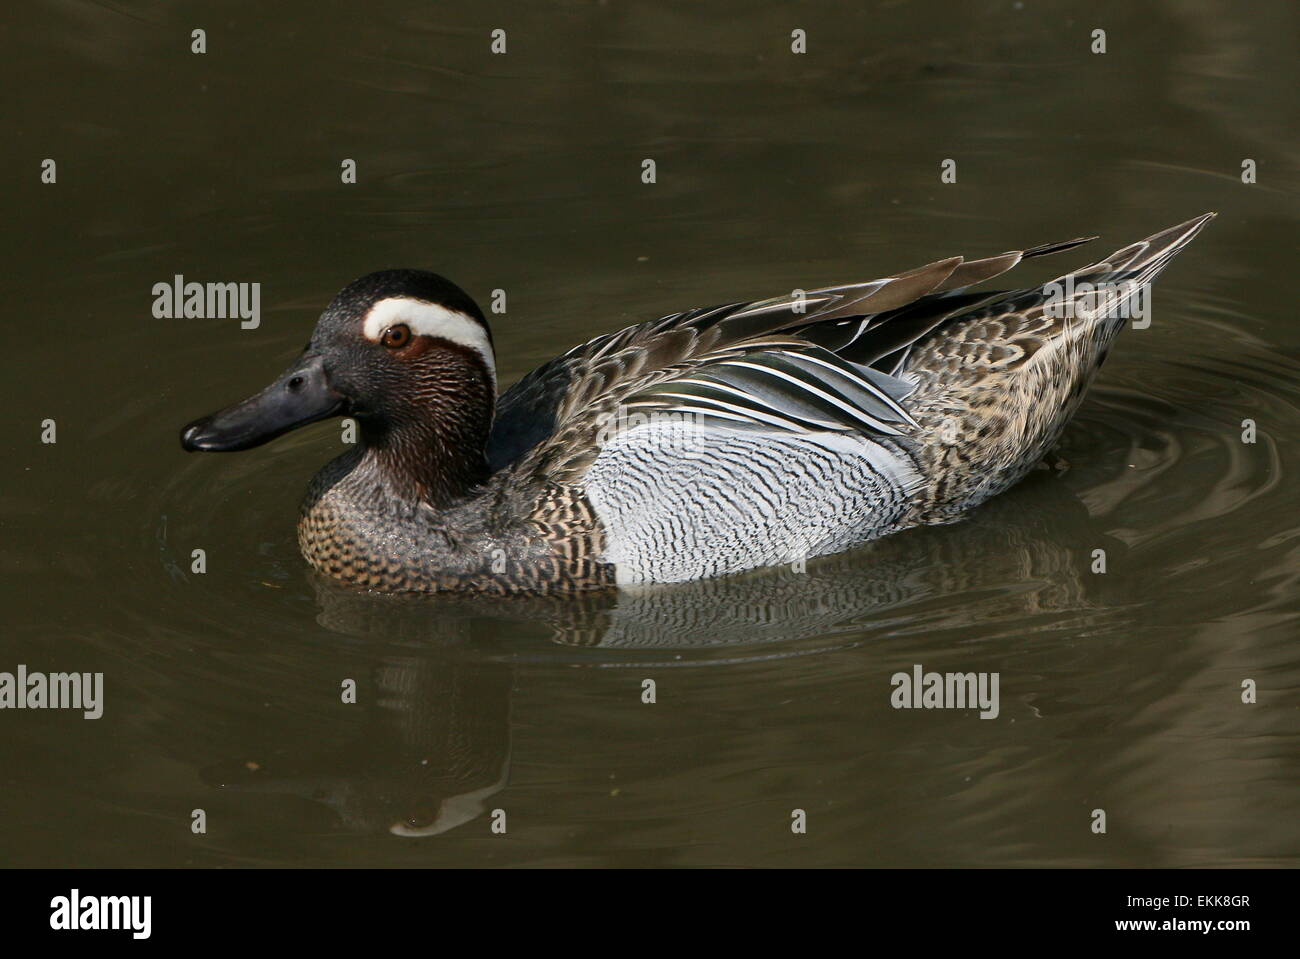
(194, 438)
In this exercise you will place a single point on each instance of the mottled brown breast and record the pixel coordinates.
(554, 547)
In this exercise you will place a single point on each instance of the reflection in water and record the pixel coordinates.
(433, 751)
(435, 746)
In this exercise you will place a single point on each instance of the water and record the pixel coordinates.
(1119, 691)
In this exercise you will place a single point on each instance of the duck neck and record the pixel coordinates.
(437, 460)
(409, 470)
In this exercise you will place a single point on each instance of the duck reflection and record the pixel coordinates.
(436, 743)
(434, 749)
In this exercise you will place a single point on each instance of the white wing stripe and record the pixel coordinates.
(753, 414)
(860, 415)
(853, 377)
(723, 386)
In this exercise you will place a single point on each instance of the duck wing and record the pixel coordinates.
(809, 361)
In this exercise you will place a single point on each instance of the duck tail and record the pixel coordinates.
(1138, 264)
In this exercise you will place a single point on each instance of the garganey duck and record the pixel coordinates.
(700, 444)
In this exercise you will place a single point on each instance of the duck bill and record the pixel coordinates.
(302, 395)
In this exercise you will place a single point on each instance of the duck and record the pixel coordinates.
(705, 443)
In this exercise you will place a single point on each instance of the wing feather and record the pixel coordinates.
(824, 360)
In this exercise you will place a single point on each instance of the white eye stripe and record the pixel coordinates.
(426, 319)
(430, 319)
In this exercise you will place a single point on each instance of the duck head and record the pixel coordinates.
(406, 353)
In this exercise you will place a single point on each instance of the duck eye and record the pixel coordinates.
(396, 337)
